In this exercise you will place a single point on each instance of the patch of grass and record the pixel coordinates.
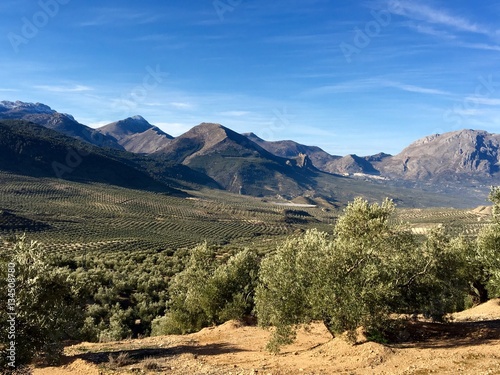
(150, 364)
(121, 359)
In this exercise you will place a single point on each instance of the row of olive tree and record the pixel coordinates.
(365, 271)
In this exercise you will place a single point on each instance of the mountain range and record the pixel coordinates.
(462, 163)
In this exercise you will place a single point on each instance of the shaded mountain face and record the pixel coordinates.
(462, 156)
(208, 138)
(239, 164)
(290, 149)
(136, 135)
(33, 150)
(43, 115)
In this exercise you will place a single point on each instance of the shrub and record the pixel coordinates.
(46, 311)
(367, 271)
(207, 293)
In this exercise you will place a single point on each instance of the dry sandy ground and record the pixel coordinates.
(469, 345)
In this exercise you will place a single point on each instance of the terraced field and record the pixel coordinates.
(73, 217)
(456, 221)
(79, 218)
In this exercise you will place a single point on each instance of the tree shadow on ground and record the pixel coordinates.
(137, 355)
(422, 335)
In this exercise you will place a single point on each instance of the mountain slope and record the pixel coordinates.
(351, 164)
(45, 116)
(136, 135)
(321, 159)
(237, 163)
(33, 150)
(241, 166)
(465, 156)
(290, 149)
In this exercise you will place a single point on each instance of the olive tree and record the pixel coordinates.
(367, 270)
(487, 259)
(37, 306)
(208, 292)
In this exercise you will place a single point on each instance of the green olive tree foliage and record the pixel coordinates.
(37, 297)
(207, 292)
(369, 269)
(487, 259)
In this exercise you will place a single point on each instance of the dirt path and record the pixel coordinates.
(470, 345)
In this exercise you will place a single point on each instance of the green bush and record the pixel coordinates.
(488, 257)
(46, 310)
(368, 270)
(207, 293)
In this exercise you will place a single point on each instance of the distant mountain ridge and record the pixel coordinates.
(454, 156)
(247, 164)
(43, 115)
(289, 149)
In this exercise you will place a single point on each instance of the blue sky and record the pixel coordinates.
(349, 76)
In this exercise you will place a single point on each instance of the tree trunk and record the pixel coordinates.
(482, 292)
(325, 322)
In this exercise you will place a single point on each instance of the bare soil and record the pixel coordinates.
(469, 344)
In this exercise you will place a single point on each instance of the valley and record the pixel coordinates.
(121, 212)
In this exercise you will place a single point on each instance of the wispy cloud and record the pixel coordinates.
(105, 16)
(413, 88)
(75, 88)
(181, 105)
(373, 84)
(426, 13)
(155, 38)
(481, 46)
(98, 124)
(483, 101)
(234, 113)
(8, 90)
(430, 30)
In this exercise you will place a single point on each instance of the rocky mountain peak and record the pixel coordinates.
(19, 106)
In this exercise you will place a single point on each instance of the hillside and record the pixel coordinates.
(136, 135)
(237, 163)
(33, 150)
(289, 149)
(450, 169)
(467, 156)
(241, 166)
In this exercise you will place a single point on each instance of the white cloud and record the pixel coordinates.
(373, 84)
(422, 12)
(481, 46)
(109, 15)
(416, 89)
(483, 101)
(181, 105)
(430, 30)
(98, 124)
(75, 88)
(234, 113)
